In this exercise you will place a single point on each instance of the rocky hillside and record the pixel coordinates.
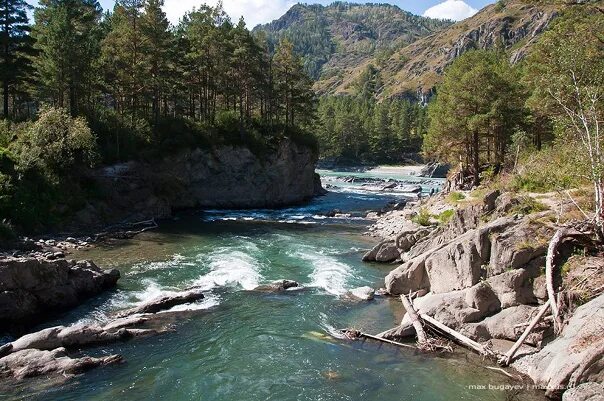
(416, 68)
(337, 38)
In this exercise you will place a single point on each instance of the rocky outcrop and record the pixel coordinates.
(222, 177)
(45, 351)
(574, 357)
(31, 288)
(482, 275)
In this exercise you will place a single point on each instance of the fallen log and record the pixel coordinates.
(468, 342)
(507, 358)
(359, 334)
(417, 325)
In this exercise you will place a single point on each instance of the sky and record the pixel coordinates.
(262, 11)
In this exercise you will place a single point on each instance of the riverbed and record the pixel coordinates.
(237, 344)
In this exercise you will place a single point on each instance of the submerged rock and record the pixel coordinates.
(278, 286)
(362, 293)
(164, 302)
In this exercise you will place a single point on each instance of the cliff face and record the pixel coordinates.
(224, 177)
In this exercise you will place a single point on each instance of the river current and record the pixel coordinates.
(242, 345)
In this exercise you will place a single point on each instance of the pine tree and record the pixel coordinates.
(67, 34)
(293, 87)
(155, 28)
(123, 55)
(15, 65)
(476, 111)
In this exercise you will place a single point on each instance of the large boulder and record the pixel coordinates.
(457, 308)
(585, 392)
(30, 288)
(384, 252)
(164, 302)
(514, 287)
(408, 277)
(508, 325)
(574, 357)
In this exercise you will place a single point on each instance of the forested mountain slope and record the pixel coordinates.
(337, 38)
(512, 25)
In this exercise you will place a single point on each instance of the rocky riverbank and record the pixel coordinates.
(223, 177)
(477, 266)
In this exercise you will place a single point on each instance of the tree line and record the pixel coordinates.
(130, 66)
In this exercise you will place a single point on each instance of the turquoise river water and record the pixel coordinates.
(238, 344)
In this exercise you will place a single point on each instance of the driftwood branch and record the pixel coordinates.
(354, 334)
(456, 335)
(507, 358)
(417, 325)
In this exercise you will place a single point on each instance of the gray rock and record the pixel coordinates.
(574, 357)
(585, 392)
(514, 287)
(32, 362)
(164, 302)
(362, 293)
(278, 286)
(502, 326)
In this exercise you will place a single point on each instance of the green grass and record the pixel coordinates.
(455, 197)
(445, 216)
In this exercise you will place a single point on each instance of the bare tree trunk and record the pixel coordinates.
(510, 354)
(417, 325)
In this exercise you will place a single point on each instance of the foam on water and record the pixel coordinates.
(328, 273)
(230, 268)
(175, 261)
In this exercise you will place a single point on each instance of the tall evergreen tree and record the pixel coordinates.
(16, 45)
(68, 38)
(158, 44)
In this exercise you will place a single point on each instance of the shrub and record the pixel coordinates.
(423, 217)
(57, 144)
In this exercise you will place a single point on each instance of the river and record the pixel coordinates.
(241, 345)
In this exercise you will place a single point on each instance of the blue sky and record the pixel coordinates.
(261, 11)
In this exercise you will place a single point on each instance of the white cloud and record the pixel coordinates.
(254, 11)
(451, 9)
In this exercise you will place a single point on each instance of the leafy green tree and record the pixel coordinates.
(477, 109)
(57, 144)
(570, 88)
(16, 45)
(68, 35)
